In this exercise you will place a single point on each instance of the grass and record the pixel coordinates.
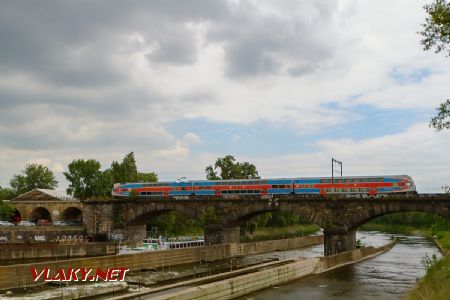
(436, 284)
(277, 233)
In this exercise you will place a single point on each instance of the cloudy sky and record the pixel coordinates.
(285, 85)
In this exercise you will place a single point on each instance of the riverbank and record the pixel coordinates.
(436, 283)
(441, 236)
(278, 233)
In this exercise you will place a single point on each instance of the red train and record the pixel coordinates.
(351, 186)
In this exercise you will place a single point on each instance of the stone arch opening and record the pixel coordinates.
(281, 224)
(148, 218)
(40, 213)
(73, 216)
(16, 217)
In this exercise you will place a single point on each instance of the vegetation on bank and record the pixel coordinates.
(436, 283)
(424, 224)
(276, 233)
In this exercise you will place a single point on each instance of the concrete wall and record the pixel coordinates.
(38, 233)
(21, 251)
(128, 235)
(269, 246)
(242, 285)
(18, 276)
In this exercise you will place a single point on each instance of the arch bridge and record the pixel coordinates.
(338, 216)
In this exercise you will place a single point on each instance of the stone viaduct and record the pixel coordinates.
(339, 217)
(48, 205)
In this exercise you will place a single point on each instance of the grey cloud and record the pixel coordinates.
(258, 44)
(42, 37)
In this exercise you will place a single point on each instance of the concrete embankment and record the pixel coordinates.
(19, 276)
(73, 292)
(241, 285)
(20, 252)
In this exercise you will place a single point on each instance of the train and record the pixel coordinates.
(347, 186)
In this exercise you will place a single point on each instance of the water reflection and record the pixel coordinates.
(388, 276)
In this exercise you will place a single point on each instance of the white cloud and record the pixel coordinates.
(418, 151)
(101, 85)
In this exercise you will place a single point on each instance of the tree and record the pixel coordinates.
(230, 169)
(6, 211)
(436, 34)
(125, 171)
(442, 120)
(147, 177)
(436, 30)
(86, 179)
(7, 193)
(34, 177)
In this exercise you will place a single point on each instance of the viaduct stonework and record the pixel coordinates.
(49, 205)
(339, 217)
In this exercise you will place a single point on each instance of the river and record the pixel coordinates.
(388, 276)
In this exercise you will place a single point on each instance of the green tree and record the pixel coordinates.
(7, 193)
(147, 177)
(33, 177)
(6, 211)
(125, 171)
(436, 34)
(436, 30)
(442, 120)
(87, 180)
(230, 169)
(210, 215)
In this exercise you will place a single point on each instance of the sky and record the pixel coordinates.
(285, 85)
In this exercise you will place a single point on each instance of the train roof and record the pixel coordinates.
(291, 178)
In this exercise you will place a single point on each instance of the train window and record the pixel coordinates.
(323, 180)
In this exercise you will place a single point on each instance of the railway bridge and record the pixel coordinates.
(338, 216)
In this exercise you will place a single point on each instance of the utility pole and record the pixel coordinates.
(334, 161)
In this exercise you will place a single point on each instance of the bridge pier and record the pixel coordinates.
(338, 240)
(218, 234)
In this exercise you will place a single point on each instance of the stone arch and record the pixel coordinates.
(72, 214)
(145, 217)
(244, 218)
(40, 213)
(17, 217)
